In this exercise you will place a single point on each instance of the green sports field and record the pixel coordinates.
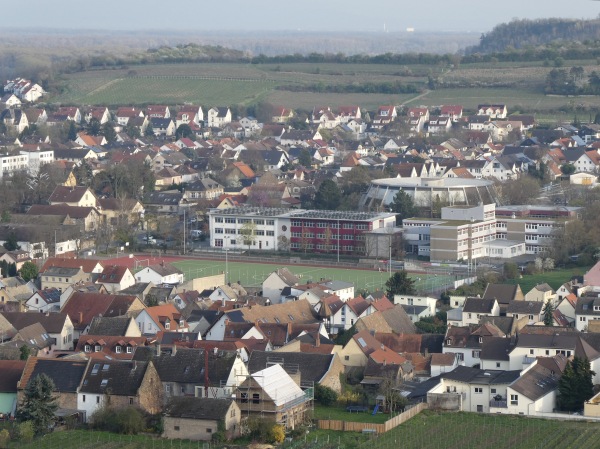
(252, 274)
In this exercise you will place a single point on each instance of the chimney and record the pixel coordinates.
(318, 340)
(174, 349)
(157, 349)
(80, 317)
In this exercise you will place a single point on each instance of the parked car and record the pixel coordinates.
(149, 240)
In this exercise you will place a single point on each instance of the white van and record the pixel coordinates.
(195, 233)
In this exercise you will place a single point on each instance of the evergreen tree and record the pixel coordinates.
(11, 243)
(328, 196)
(575, 386)
(108, 131)
(547, 311)
(39, 403)
(72, 134)
(400, 283)
(402, 205)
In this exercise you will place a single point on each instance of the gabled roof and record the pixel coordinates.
(198, 408)
(496, 348)
(112, 274)
(114, 377)
(64, 194)
(478, 305)
(82, 308)
(503, 293)
(297, 312)
(87, 265)
(52, 322)
(391, 320)
(66, 374)
(525, 307)
(542, 378)
(111, 326)
(10, 374)
(312, 367)
(277, 385)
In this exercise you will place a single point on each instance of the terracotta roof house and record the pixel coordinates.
(83, 307)
(165, 317)
(115, 278)
(388, 321)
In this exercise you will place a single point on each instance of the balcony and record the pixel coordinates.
(528, 360)
(500, 402)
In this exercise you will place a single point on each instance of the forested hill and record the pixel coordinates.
(532, 33)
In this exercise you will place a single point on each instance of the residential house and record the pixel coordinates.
(541, 293)
(356, 352)
(425, 306)
(106, 347)
(204, 189)
(165, 317)
(475, 308)
(79, 196)
(275, 282)
(88, 218)
(120, 384)
(394, 319)
(66, 374)
(58, 326)
(114, 326)
(162, 127)
(492, 110)
(587, 310)
(115, 278)
(160, 274)
(217, 117)
(62, 278)
(199, 419)
(530, 309)
(443, 363)
(47, 300)
(282, 115)
(83, 307)
(455, 112)
(273, 394)
(471, 389)
(185, 372)
(125, 114)
(99, 113)
(17, 257)
(534, 393)
(171, 202)
(10, 374)
(503, 293)
(158, 111)
(314, 368)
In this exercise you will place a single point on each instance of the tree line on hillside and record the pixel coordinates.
(572, 82)
(532, 33)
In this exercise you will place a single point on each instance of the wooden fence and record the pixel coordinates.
(347, 426)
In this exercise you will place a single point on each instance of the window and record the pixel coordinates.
(118, 349)
(83, 398)
(531, 352)
(87, 348)
(497, 366)
(209, 430)
(176, 428)
(476, 354)
(98, 348)
(347, 357)
(478, 390)
(244, 397)
(97, 399)
(256, 398)
(232, 412)
(493, 391)
(461, 357)
(130, 401)
(129, 349)
(168, 388)
(514, 399)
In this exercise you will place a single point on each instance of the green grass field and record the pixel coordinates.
(211, 84)
(428, 430)
(554, 278)
(431, 430)
(340, 413)
(252, 274)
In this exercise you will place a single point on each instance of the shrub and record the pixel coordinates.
(4, 439)
(129, 420)
(325, 395)
(26, 432)
(276, 434)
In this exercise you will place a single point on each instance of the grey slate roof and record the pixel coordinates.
(198, 408)
(109, 326)
(478, 305)
(481, 377)
(52, 322)
(114, 377)
(66, 375)
(312, 367)
(525, 307)
(496, 348)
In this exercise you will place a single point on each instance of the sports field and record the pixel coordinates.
(253, 274)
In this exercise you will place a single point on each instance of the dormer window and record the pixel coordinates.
(448, 342)
(167, 325)
(97, 348)
(480, 339)
(118, 349)
(87, 348)
(129, 349)
(596, 308)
